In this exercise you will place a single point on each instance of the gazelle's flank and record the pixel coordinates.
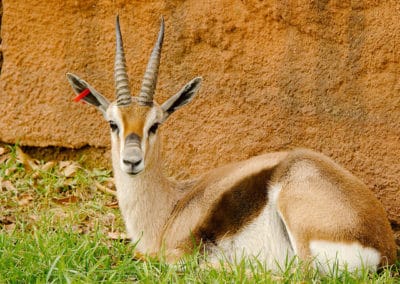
(271, 206)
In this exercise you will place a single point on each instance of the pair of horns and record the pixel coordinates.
(123, 91)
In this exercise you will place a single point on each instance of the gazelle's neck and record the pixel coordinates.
(145, 201)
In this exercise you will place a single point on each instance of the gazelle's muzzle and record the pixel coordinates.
(132, 155)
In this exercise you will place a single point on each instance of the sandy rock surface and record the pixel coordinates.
(277, 75)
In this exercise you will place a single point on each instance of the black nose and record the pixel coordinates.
(132, 163)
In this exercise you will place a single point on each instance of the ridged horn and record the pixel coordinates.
(150, 76)
(123, 92)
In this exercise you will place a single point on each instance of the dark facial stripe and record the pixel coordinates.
(235, 208)
(132, 139)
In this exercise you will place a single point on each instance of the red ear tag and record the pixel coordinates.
(83, 94)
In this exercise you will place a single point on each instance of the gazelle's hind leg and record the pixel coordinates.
(319, 232)
(321, 222)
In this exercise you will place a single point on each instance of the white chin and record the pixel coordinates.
(132, 171)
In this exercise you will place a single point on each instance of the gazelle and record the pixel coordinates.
(273, 206)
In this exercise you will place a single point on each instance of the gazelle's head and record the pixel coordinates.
(134, 120)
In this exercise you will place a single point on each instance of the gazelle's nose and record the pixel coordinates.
(134, 162)
(132, 156)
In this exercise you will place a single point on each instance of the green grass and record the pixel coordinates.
(57, 227)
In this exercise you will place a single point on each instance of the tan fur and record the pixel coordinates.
(133, 118)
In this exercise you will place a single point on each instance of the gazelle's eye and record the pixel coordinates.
(153, 128)
(113, 126)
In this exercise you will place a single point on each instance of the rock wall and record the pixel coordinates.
(277, 75)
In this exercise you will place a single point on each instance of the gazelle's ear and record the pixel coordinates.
(183, 97)
(93, 97)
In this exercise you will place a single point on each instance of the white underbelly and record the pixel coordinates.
(265, 238)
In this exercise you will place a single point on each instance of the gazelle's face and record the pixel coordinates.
(134, 121)
(133, 134)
